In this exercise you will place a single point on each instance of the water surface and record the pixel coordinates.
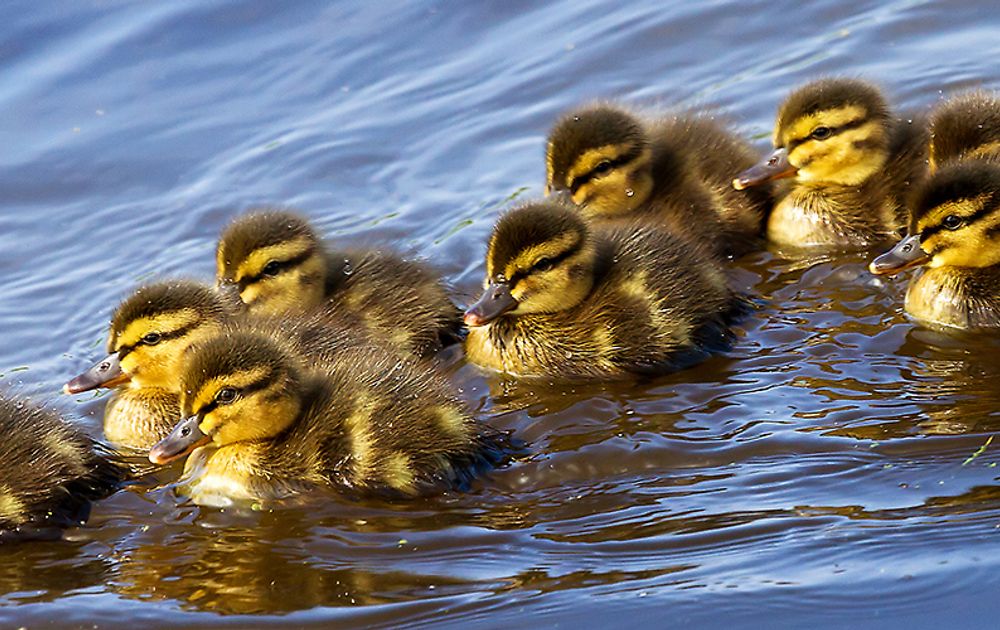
(826, 472)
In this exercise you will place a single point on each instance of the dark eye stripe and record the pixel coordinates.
(124, 351)
(625, 158)
(283, 265)
(854, 124)
(240, 391)
(931, 230)
(555, 260)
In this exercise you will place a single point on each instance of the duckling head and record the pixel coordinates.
(149, 333)
(955, 221)
(600, 157)
(831, 131)
(274, 260)
(541, 259)
(236, 387)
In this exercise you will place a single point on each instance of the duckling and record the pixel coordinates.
(955, 233)
(151, 329)
(673, 172)
(148, 335)
(966, 126)
(567, 301)
(278, 265)
(852, 165)
(259, 425)
(53, 471)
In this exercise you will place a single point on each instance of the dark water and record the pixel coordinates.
(823, 473)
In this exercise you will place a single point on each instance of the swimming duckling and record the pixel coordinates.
(955, 234)
(52, 471)
(259, 425)
(278, 265)
(567, 301)
(673, 172)
(151, 329)
(966, 127)
(852, 164)
(148, 335)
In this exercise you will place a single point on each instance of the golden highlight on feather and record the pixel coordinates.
(358, 424)
(12, 509)
(398, 472)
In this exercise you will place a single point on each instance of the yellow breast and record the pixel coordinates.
(933, 297)
(222, 477)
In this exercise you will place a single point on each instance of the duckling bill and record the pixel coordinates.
(562, 299)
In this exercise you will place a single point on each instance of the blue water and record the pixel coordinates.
(824, 473)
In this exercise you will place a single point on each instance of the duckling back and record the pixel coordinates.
(710, 153)
(401, 301)
(52, 471)
(966, 127)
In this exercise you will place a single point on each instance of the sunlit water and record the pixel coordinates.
(829, 470)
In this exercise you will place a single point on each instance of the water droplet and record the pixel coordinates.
(347, 269)
(569, 354)
(629, 192)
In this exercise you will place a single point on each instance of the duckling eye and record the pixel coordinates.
(225, 395)
(602, 167)
(151, 339)
(952, 222)
(271, 268)
(820, 133)
(543, 264)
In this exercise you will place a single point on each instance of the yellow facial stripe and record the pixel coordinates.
(163, 323)
(255, 262)
(592, 157)
(962, 207)
(848, 158)
(549, 249)
(239, 380)
(803, 126)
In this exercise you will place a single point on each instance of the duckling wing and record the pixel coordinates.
(404, 301)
